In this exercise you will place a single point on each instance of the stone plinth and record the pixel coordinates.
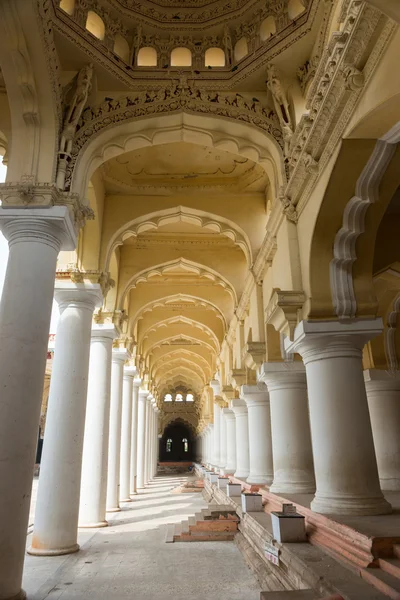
(252, 502)
(234, 490)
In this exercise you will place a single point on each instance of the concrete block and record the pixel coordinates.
(213, 477)
(252, 502)
(233, 490)
(288, 525)
(222, 483)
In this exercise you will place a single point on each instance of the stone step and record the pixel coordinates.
(290, 595)
(225, 525)
(169, 536)
(390, 565)
(382, 581)
(206, 536)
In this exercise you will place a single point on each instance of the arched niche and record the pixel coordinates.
(181, 57)
(67, 6)
(241, 49)
(95, 25)
(267, 28)
(147, 57)
(214, 57)
(121, 47)
(295, 9)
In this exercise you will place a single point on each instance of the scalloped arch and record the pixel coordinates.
(185, 320)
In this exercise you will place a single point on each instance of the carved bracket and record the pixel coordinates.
(283, 309)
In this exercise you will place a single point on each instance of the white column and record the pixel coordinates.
(344, 457)
(134, 443)
(291, 437)
(35, 238)
(217, 435)
(57, 505)
(211, 444)
(223, 450)
(383, 393)
(119, 356)
(242, 438)
(156, 413)
(147, 439)
(92, 508)
(229, 415)
(141, 437)
(260, 443)
(126, 434)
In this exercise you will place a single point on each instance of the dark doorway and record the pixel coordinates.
(176, 443)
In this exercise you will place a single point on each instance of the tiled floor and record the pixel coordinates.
(130, 559)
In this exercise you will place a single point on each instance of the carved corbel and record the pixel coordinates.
(228, 393)
(253, 354)
(238, 378)
(283, 309)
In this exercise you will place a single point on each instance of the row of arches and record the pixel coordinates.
(178, 398)
(181, 56)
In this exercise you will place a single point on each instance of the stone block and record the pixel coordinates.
(233, 490)
(252, 503)
(288, 525)
(222, 483)
(213, 477)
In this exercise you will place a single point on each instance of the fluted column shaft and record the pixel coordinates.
(92, 507)
(57, 505)
(35, 237)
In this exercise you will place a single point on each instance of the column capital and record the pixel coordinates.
(82, 295)
(129, 372)
(137, 382)
(119, 355)
(254, 394)
(320, 340)
(143, 394)
(52, 226)
(104, 331)
(238, 406)
(379, 380)
(283, 375)
(215, 386)
(228, 413)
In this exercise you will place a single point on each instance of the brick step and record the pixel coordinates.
(215, 523)
(382, 581)
(297, 595)
(226, 525)
(206, 537)
(396, 550)
(390, 565)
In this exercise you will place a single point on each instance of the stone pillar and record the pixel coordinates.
(344, 457)
(155, 442)
(260, 444)
(57, 507)
(229, 416)
(242, 438)
(126, 434)
(141, 437)
(147, 444)
(291, 437)
(383, 393)
(35, 236)
(135, 401)
(217, 436)
(119, 356)
(223, 450)
(92, 508)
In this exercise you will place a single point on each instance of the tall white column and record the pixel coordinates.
(242, 438)
(230, 420)
(344, 457)
(217, 435)
(383, 393)
(119, 356)
(147, 439)
(211, 443)
(92, 508)
(291, 437)
(57, 505)
(134, 443)
(223, 449)
(260, 443)
(141, 437)
(155, 443)
(126, 434)
(35, 237)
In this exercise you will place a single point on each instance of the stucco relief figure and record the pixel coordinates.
(138, 43)
(227, 42)
(281, 104)
(79, 89)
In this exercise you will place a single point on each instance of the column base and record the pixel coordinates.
(292, 488)
(241, 475)
(112, 510)
(390, 485)
(229, 471)
(93, 525)
(53, 551)
(259, 479)
(128, 499)
(20, 596)
(352, 506)
(133, 495)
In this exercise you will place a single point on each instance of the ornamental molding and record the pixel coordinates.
(172, 99)
(346, 66)
(29, 194)
(390, 336)
(283, 310)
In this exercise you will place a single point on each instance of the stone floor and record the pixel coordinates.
(130, 559)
